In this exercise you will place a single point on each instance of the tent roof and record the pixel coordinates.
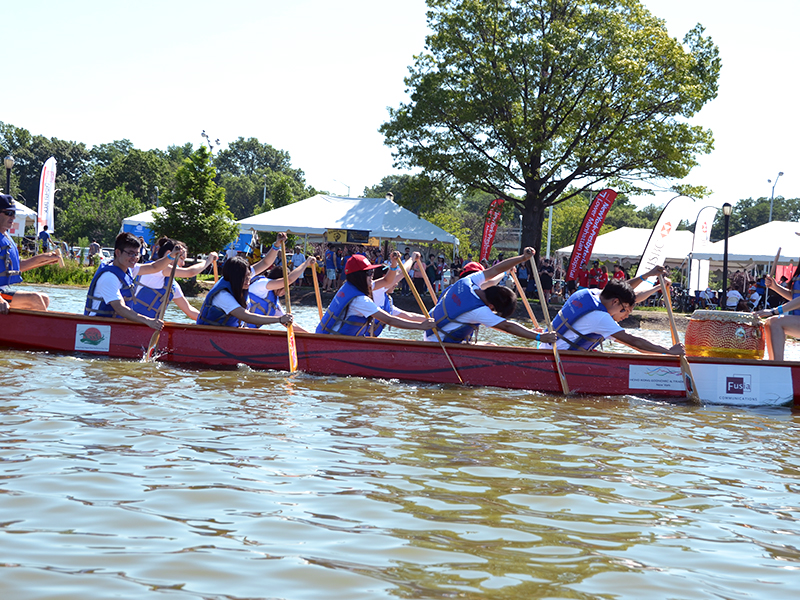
(382, 217)
(758, 245)
(144, 218)
(626, 245)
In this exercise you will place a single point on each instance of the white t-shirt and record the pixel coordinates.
(379, 297)
(259, 288)
(596, 321)
(156, 281)
(225, 301)
(109, 288)
(478, 316)
(733, 298)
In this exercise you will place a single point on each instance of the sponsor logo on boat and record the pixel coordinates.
(92, 338)
(738, 384)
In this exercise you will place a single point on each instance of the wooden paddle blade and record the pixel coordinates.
(292, 348)
(688, 380)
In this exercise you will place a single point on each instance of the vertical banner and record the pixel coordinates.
(490, 226)
(698, 269)
(587, 234)
(47, 188)
(655, 252)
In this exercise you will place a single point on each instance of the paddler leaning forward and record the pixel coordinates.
(591, 315)
(226, 303)
(352, 310)
(476, 299)
(112, 288)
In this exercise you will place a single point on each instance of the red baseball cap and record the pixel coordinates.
(471, 267)
(357, 262)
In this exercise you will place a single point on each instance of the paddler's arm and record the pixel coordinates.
(277, 284)
(248, 317)
(776, 287)
(393, 321)
(194, 270)
(159, 265)
(780, 310)
(642, 345)
(523, 332)
(39, 260)
(271, 254)
(655, 271)
(128, 313)
(506, 265)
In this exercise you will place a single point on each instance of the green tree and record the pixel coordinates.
(752, 212)
(537, 97)
(97, 216)
(138, 171)
(195, 210)
(417, 193)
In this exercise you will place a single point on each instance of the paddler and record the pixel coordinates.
(476, 299)
(111, 290)
(226, 303)
(151, 289)
(383, 287)
(591, 316)
(265, 291)
(779, 322)
(352, 310)
(11, 266)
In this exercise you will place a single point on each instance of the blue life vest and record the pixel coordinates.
(126, 289)
(213, 315)
(457, 300)
(579, 304)
(354, 325)
(262, 306)
(795, 294)
(147, 301)
(388, 306)
(9, 261)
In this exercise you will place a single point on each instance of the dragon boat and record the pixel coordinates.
(730, 381)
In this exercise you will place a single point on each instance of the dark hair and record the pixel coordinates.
(620, 290)
(126, 240)
(275, 273)
(359, 279)
(165, 245)
(503, 299)
(235, 271)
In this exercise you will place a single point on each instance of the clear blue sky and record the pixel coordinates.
(314, 77)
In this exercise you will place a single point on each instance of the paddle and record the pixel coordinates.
(427, 281)
(686, 369)
(148, 355)
(562, 377)
(772, 273)
(522, 295)
(216, 274)
(316, 290)
(289, 327)
(427, 316)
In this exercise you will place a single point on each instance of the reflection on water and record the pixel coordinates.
(130, 480)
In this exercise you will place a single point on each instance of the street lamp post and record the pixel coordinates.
(156, 188)
(9, 163)
(549, 230)
(726, 212)
(264, 202)
(345, 185)
(772, 197)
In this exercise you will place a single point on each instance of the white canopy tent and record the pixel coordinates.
(23, 217)
(382, 217)
(757, 246)
(139, 225)
(626, 245)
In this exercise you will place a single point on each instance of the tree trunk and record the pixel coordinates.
(533, 213)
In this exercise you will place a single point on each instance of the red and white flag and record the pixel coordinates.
(490, 226)
(587, 235)
(655, 252)
(47, 188)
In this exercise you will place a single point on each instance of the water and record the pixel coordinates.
(131, 480)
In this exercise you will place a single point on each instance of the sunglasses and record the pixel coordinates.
(9, 213)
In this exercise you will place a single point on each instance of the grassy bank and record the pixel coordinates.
(71, 274)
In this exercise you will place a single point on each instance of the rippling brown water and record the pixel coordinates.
(130, 480)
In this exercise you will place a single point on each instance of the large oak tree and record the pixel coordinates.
(536, 101)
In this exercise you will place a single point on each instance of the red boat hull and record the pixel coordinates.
(594, 373)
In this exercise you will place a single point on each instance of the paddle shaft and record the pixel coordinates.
(316, 290)
(427, 316)
(562, 377)
(289, 328)
(148, 355)
(216, 274)
(522, 295)
(686, 370)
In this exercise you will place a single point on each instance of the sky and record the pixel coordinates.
(315, 78)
